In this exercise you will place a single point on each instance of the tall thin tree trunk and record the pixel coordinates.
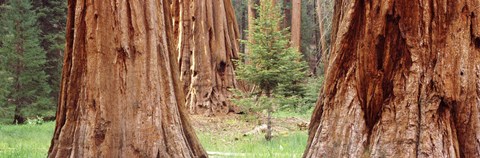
(208, 43)
(323, 55)
(17, 117)
(287, 13)
(296, 24)
(403, 81)
(18, 65)
(251, 18)
(121, 95)
(268, 135)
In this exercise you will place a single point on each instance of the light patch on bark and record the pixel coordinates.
(207, 44)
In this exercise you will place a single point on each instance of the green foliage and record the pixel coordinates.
(253, 102)
(35, 121)
(52, 23)
(285, 146)
(304, 102)
(286, 102)
(272, 65)
(22, 62)
(271, 61)
(241, 14)
(33, 141)
(5, 84)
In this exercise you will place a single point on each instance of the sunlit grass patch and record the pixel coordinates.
(283, 145)
(29, 141)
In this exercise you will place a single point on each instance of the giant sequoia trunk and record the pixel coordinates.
(121, 95)
(208, 41)
(403, 81)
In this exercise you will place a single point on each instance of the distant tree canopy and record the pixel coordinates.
(26, 91)
(314, 39)
(51, 22)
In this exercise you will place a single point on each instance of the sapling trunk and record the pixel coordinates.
(268, 135)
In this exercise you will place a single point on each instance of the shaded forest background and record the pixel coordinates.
(32, 37)
(33, 40)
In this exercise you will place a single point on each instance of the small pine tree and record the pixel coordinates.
(24, 60)
(271, 61)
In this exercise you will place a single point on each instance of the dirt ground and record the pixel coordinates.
(235, 125)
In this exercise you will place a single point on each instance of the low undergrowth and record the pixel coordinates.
(284, 145)
(220, 136)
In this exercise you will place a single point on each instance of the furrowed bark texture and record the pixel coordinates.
(207, 43)
(121, 95)
(403, 81)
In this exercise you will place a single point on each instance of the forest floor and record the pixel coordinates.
(221, 136)
(240, 136)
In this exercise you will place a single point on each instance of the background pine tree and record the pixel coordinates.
(272, 62)
(273, 65)
(23, 62)
(51, 22)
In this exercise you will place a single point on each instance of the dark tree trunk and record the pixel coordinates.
(268, 135)
(121, 95)
(18, 118)
(403, 81)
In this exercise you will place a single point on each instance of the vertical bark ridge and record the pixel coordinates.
(207, 44)
(121, 95)
(415, 81)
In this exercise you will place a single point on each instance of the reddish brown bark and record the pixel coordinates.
(403, 81)
(121, 95)
(296, 24)
(287, 13)
(208, 41)
(251, 18)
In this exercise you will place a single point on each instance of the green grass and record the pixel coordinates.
(32, 141)
(288, 114)
(25, 141)
(286, 145)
